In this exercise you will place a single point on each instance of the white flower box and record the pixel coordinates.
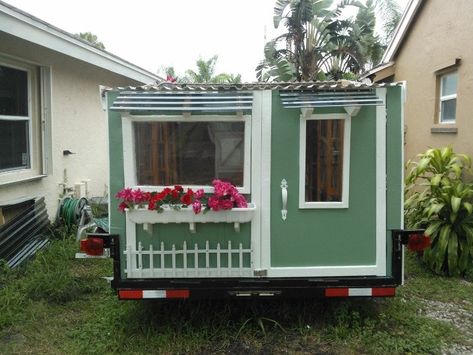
(187, 215)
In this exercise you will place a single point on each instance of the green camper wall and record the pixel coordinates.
(323, 237)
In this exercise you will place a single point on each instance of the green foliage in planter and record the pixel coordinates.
(438, 201)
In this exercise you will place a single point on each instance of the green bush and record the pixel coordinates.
(438, 201)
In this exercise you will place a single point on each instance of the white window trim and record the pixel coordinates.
(129, 162)
(303, 204)
(443, 98)
(7, 174)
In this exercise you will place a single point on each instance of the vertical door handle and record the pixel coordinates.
(284, 199)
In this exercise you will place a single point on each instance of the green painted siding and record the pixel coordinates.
(117, 220)
(323, 237)
(394, 165)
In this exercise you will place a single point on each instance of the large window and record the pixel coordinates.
(325, 142)
(15, 118)
(448, 97)
(188, 151)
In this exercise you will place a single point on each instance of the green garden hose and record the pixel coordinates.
(71, 209)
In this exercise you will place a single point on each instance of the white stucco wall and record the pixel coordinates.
(78, 123)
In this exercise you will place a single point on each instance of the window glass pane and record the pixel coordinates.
(189, 153)
(449, 84)
(13, 92)
(14, 145)
(448, 110)
(324, 160)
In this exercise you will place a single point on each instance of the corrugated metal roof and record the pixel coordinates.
(238, 97)
(311, 86)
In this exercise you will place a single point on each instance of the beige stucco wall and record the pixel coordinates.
(78, 123)
(442, 32)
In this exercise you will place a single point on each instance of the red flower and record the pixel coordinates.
(188, 197)
(175, 194)
(178, 188)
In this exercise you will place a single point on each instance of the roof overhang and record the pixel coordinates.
(25, 26)
(402, 29)
(380, 72)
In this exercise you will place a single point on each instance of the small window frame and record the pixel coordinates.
(443, 98)
(303, 204)
(129, 163)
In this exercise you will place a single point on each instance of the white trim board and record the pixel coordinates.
(20, 24)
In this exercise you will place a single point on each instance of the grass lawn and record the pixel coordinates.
(59, 305)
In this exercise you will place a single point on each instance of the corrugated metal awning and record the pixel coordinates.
(184, 101)
(310, 99)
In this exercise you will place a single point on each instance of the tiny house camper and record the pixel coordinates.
(319, 164)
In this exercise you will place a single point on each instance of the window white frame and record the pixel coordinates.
(129, 159)
(27, 118)
(443, 98)
(39, 118)
(303, 204)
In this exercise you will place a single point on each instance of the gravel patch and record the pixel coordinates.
(454, 314)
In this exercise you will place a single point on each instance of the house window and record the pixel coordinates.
(15, 119)
(24, 116)
(191, 151)
(324, 155)
(448, 97)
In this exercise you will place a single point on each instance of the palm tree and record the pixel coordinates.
(206, 73)
(390, 13)
(314, 41)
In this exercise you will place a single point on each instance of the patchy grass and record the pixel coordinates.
(59, 305)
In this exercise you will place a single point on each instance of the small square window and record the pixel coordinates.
(448, 97)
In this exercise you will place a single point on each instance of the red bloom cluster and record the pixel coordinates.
(225, 197)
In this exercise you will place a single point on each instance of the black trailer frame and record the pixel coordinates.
(315, 287)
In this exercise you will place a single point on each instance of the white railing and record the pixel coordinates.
(188, 266)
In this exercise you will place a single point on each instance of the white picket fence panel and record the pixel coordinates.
(185, 270)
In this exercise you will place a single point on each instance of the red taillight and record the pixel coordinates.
(92, 246)
(418, 242)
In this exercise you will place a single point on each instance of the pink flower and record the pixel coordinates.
(125, 194)
(139, 196)
(122, 206)
(199, 194)
(240, 201)
(213, 203)
(226, 204)
(197, 206)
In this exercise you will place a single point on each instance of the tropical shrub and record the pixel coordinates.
(439, 201)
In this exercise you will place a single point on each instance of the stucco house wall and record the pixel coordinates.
(438, 40)
(439, 35)
(77, 123)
